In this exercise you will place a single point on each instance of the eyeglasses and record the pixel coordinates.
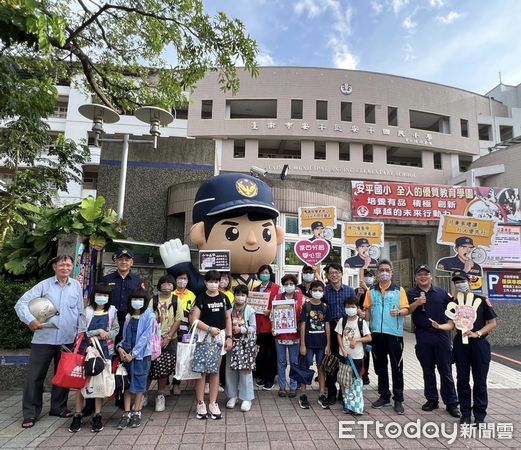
(334, 272)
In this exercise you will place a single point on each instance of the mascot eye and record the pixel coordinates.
(232, 234)
(266, 235)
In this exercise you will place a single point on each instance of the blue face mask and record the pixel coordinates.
(101, 299)
(137, 304)
(264, 277)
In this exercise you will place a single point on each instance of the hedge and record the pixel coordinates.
(14, 334)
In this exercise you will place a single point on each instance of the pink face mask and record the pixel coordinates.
(181, 283)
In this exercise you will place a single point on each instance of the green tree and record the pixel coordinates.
(122, 47)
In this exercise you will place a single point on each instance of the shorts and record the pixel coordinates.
(138, 373)
(318, 353)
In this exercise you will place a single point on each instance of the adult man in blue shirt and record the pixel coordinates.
(433, 346)
(335, 295)
(66, 295)
(123, 282)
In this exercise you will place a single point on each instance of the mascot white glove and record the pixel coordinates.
(174, 252)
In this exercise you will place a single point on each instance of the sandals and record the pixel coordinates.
(65, 414)
(28, 423)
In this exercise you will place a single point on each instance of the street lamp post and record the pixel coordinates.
(100, 114)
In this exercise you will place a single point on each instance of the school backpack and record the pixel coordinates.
(360, 321)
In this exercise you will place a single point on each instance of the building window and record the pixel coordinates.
(422, 120)
(291, 224)
(320, 150)
(296, 109)
(370, 113)
(251, 109)
(344, 151)
(437, 161)
(321, 110)
(60, 110)
(505, 132)
(239, 149)
(464, 162)
(368, 153)
(181, 112)
(206, 109)
(90, 180)
(464, 127)
(485, 132)
(392, 116)
(346, 112)
(404, 157)
(271, 148)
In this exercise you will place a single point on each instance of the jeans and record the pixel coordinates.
(282, 363)
(239, 383)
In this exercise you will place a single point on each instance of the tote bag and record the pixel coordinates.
(103, 384)
(354, 395)
(300, 372)
(185, 358)
(70, 373)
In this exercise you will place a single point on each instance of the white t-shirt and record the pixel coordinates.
(352, 327)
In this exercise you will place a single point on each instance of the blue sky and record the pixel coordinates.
(460, 43)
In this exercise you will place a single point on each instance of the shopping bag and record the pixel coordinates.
(207, 355)
(103, 384)
(70, 373)
(185, 357)
(121, 378)
(354, 395)
(344, 376)
(300, 372)
(330, 364)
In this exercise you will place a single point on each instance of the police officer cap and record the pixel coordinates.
(421, 267)
(360, 242)
(462, 240)
(368, 272)
(316, 225)
(123, 252)
(460, 275)
(233, 193)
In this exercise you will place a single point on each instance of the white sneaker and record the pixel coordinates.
(245, 406)
(160, 403)
(231, 403)
(221, 389)
(206, 388)
(145, 401)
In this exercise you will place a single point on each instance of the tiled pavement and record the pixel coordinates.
(272, 423)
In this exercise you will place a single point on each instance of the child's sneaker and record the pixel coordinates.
(160, 403)
(97, 424)
(124, 421)
(144, 402)
(303, 401)
(322, 401)
(75, 424)
(215, 412)
(201, 411)
(135, 419)
(230, 404)
(245, 406)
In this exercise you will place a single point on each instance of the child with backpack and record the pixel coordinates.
(315, 339)
(240, 361)
(135, 351)
(98, 320)
(352, 334)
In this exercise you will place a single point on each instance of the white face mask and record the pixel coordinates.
(369, 281)
(240, 299)
(212, 286)
(181, 283)
(137, 303)
(101, 299)
(317, 294)
(223, 284)
(289, 288)
(308, 277)
(462, 287)
(351, 311)
(385, 276)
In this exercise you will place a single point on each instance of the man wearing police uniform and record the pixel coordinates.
(463, 247)
(433, 347)
(317, 228)
(474, 356)
(233, 212)
(362, 259)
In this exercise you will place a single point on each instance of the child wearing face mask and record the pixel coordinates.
(98, 320)
(315, 339)
(239, 378)
(352, 333)
(288, 342)
(135, 351)
(213, 311)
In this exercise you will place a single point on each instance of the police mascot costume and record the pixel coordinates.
(233, 212)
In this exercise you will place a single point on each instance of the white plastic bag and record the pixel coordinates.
(102, 385)
(185, 358)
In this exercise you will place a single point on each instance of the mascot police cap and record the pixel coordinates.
(233, 192)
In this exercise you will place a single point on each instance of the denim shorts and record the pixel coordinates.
(138, 373)
(318, 353)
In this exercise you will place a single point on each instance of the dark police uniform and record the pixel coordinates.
(225, 196)
(433, 347)
(474, 356)
(452, 263)
(357, 261)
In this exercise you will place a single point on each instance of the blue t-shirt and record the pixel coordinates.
(315, 317)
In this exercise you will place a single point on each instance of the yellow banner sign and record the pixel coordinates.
(481, 232)
(308, 215)
(372, 231)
